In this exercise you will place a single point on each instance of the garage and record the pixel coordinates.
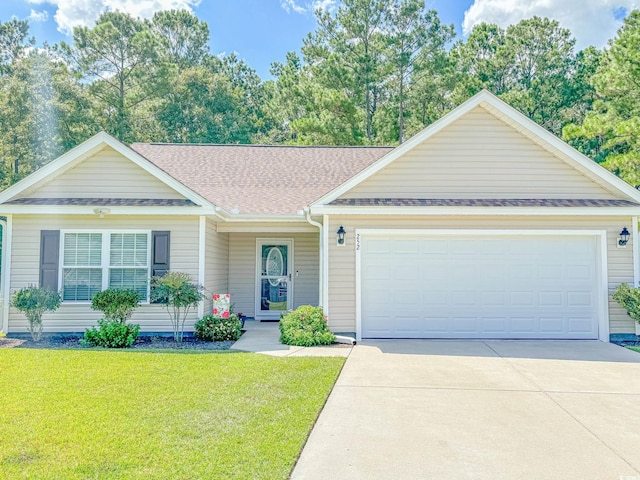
(465, 284)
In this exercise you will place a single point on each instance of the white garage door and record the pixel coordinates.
(419, 286)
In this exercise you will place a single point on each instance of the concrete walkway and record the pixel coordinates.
(480, 410)
(263, 337)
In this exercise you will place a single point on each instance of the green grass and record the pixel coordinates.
(635, 349)
(72, 414)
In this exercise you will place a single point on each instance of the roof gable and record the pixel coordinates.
(104, 157)
(104, 174)
(584, 178)
(479, 156)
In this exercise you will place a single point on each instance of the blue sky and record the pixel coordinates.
(262, 31)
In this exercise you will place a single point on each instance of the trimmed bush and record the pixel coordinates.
(304, 327)
(117, 304)
(34, 302)
(217, 329)
(112, 334)
(629, 299)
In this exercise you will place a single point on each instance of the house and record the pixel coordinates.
(483, 225)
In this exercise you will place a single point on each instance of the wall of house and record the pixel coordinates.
(342, 270)
(216, 263)
(242, 269)
(478, 156)
(76, 317)
(90, 179)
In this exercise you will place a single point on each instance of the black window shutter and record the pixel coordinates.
(49, 259)
(160, 253)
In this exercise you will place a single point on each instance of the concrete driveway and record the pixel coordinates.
(480, 410)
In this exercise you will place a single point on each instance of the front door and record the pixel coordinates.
(273, 282)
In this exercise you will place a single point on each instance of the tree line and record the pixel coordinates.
(374, 72)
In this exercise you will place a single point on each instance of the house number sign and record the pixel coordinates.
(357, 241)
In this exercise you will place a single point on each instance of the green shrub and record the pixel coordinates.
(34, 302)
(117, 304)
(217, 329)
(111, 334)
(629, 299)
(179, 294)
(306, 326)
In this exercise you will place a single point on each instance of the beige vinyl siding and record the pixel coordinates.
(479, 156)
(342, 277)
(242, 269)
(107, 174)
(216, 263)
(76, 317)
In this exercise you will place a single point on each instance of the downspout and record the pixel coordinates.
(307, 216)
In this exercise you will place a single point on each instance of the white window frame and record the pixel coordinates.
(106, 258)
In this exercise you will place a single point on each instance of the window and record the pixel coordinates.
(95, 261)
(82, 265)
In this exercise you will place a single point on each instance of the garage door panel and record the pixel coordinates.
(550, 272)
(551, 325)
(493, 299)
(579, 299)
(490, 287)
(463, 324)
(550, 299)
(579, 272)
(434, 298)
(494, 324)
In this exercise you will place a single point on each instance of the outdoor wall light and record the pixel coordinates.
(101, 212)
(624, 237)
(341, 233)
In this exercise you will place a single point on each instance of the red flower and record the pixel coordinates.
(215, 311)
(216, 296)
(225, 314)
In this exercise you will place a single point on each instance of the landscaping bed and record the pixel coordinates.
(142, 342)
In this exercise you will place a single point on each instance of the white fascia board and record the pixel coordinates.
(90, 210)
(407, 146)
(486, 211)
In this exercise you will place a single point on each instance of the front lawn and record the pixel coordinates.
(635, 349)
(76, 414)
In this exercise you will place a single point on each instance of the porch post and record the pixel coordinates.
(636, 249)
(202, 243)
(7, 232)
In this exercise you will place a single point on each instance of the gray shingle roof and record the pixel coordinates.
(259, 179)
(106, 202)
(483, 202)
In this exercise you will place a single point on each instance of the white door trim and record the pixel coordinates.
(258, 276)
(603, 322)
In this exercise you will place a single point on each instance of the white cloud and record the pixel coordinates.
(74, 13)
(307, 7)
(592, 22)
(36, 16)
(290, 5)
